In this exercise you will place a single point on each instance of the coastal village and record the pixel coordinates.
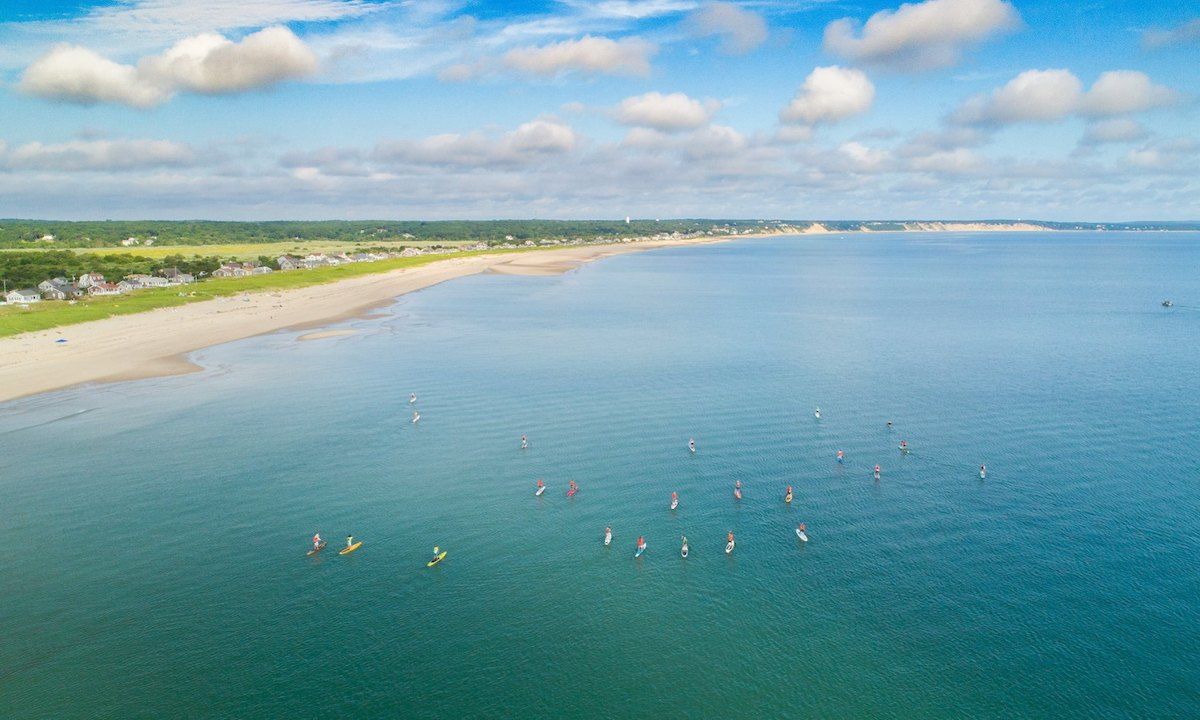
(96, 285)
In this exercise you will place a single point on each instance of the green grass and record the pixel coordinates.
(15, 320)
(249, 251)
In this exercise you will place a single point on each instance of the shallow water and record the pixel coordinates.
(157, 530)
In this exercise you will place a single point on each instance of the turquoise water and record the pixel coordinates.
(157, 530)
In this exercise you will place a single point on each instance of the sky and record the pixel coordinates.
(436, 109)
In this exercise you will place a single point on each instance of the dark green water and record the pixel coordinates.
(157, 530)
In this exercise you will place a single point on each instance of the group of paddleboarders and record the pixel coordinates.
(318, 544)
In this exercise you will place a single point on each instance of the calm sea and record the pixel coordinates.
(156, 531)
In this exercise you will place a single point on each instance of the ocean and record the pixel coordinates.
(156, 530)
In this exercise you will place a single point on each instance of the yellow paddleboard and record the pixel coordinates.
(352, 548)
(788, 498)
(436, 560)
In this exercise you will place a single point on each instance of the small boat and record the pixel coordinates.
(607, 539)
(540, 490)
(800, 534)
(641, 549)
(317, 549)
(352, 548)
(436, 559)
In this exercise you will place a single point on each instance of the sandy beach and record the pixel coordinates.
(156, 343)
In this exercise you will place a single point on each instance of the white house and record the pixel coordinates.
(87, 280)
(289, 262)
(103, 288)
(23, 297)
(174, 277)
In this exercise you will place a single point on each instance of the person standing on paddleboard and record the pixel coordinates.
(316, 541)
(349, 540)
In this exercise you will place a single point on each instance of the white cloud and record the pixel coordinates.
(828, 95)
(1188, 32)
(1118, 92)
(210, 63)
(714, 141)
(1116, 130)
(532, 141)
(75, 74)
(862, 157)
(922, 35)
(959, 161)
(589, 54)
(96, 155)
(740, 30)
(672, 112)
(1048, 95)
(1034, 95)
(207, 63)
(630, 9)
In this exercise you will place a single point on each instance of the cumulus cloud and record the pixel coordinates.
(921, 36)
(740, 30)
(532, 141)
(1034, 95)
(1118, 92)
(959, 161)
(709, 142)
(670, 113)
(589, 54)
(206, 63)
(75, 74)
(828, 95)
(1116, 130)
(863, 158)
(1188, 32)
(1048, 95)
(96, 155)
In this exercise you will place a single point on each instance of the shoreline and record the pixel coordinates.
(156, 343)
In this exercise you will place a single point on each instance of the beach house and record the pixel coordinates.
(87, 280)
(23, 297)
(289, 262)
(103, 288)
(174, 277)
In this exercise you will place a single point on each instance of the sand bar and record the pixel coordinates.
(156, 343)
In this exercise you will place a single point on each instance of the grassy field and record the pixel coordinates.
(44, 315)
(251, 251)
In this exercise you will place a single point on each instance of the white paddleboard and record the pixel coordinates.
(674, 504)
(800, 534)
(683, 551)
(607, 539)
(639, 552)
(728, 548)
(541, 490)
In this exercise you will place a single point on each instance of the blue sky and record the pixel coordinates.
(652, 108)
